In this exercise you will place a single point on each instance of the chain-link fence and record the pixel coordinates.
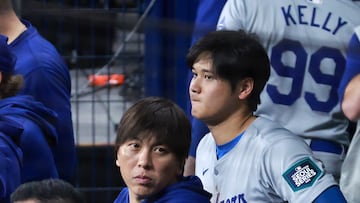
(102, 43)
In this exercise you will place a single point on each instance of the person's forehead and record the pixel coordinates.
(204, 56)
(148, 137)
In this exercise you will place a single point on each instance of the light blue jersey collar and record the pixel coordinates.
(221, 150)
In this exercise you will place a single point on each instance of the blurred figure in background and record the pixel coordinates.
(39, 136)
(11, 156)
(46, 78)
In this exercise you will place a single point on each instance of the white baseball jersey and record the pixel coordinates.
(306, 42)
(350, 174)
(268, 164)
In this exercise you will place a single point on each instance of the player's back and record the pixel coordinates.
(306, 42)
(47, 79)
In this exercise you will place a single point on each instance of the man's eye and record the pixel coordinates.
(208, 77)
(161, 150)
(134, 145)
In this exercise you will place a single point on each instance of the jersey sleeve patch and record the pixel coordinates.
(302, 174)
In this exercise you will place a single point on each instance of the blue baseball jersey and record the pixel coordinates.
(47, 79)
(307, 42)
(268, 164)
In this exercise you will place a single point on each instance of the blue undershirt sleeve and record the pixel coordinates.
(352, 65)
(332, 194)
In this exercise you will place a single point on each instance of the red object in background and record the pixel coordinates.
(102, 80)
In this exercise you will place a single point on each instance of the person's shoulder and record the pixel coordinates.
(206, 142)
(272, 133)
(123, 196)
(25, 106)
(37, 44)
(189, 187)
(266, 126)
(208, 138)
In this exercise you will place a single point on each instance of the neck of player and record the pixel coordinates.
(234, 125)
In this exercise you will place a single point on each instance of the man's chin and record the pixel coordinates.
(197, 115)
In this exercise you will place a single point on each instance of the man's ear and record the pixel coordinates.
(117, 162)
(181, 167)
(245, 87)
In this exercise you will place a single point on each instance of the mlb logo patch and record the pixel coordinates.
(302, 174)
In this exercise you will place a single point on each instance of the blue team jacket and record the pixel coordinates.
(38, 138)
(189, 189)
(10, 158)
(47, 79)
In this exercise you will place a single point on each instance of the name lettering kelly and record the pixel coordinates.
(309, 16)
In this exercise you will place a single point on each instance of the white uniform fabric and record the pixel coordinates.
(350, 174)
(307, 42)
(268, 164)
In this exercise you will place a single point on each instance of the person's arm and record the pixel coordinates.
(351, 101)
(349, 92)
(332, 194)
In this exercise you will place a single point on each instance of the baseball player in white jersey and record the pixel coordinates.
(247, 158)
(306, 41)
(349, 93)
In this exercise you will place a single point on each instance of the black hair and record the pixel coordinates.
(235, 55)
(158, 117)
(48, 191)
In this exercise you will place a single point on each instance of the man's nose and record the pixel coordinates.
(144, 159)
(194, 86)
